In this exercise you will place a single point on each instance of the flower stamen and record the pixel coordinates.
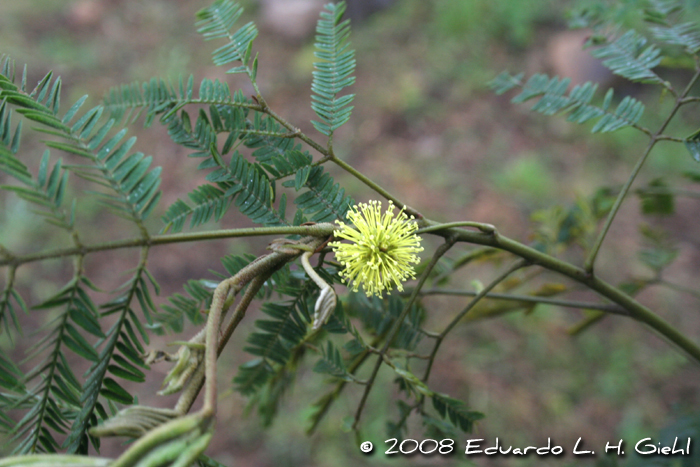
(382, 251)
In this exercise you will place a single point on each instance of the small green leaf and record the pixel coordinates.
(81, 349)
(121, 396)
(22, 100)
(127, 375)
(131, 353)
(693, 147)
(45, 119)
(456, 412)
(69, 148)
(74, 109)
(86, 321)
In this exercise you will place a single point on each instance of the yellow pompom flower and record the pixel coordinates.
(382, 249)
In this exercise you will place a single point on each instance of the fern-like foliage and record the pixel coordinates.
(659, 10)
(456, 415)
(11, 384)
(324, 200)
(290, 163)
(245, 148)
(629, 56)
(685, 35)
(51, 399)
(456, 412)
(156, 97)
(245, 183)
(128, 101)
(10, 302)
(250, 186)
(379, 315)
(119, 356)
(56, 402)
(279, 154)
(190, 306)
(208, 201)
(333, 74)
(281, 377)
(667, 14)
(241, 182)
(266, 378)
(252, 190)
(55, 389)
(279, 343)
(135, 187)
(10, 299)
(285, 327)
(552, 98)
(193, 304)
(46, 193)
(9, 145)
(332, 363)
(216, 22)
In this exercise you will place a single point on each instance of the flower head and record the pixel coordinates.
(382, 252)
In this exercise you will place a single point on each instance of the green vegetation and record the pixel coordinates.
(521, 330)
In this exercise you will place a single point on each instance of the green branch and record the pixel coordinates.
(316, 230)
(635, 309)
(590, 261)
(177, 103)
(485, 228)
(614, 309)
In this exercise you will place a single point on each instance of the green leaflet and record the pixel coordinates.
(120, 355)
(378, 316)
(629, 56)
(135, 185)
(456, 412)
(332, 363)
(191, 305)
(552, 98)
(56, 392)
(215, 22)
(241, 183)
(685, 35)
(323, 200)
(334, 72)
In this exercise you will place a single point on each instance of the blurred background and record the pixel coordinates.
(426, 127)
